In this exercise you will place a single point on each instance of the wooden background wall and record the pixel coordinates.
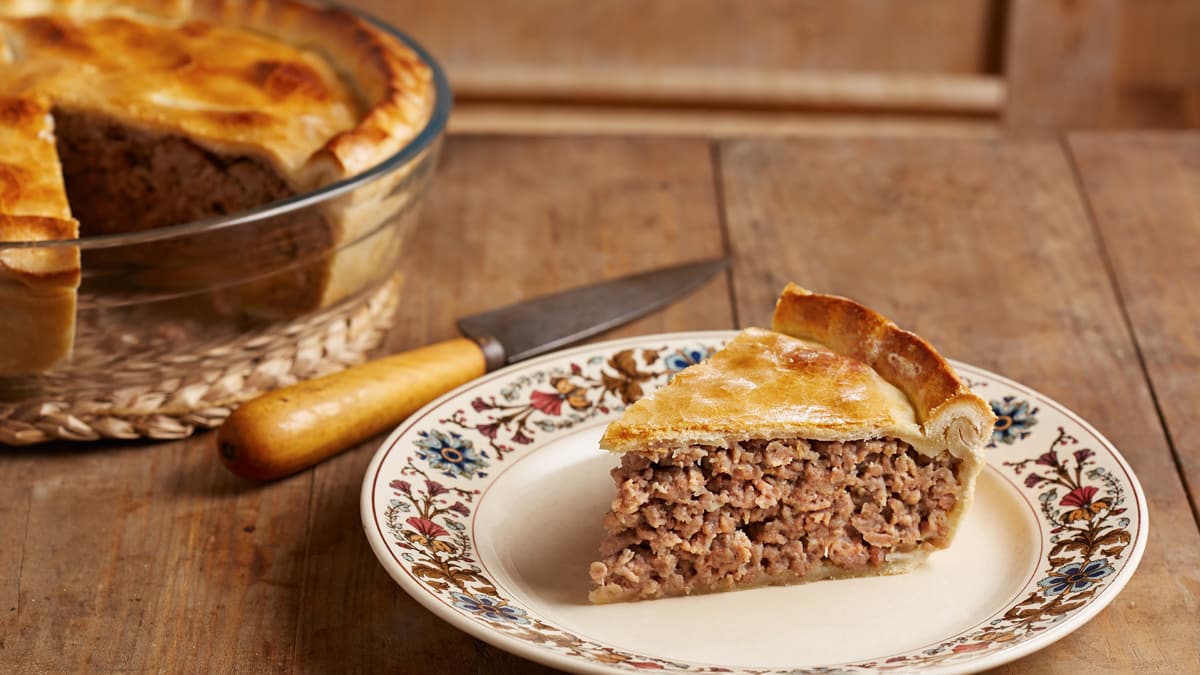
(800, 66)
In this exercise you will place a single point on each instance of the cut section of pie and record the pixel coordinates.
(37, 285)
(834, 445)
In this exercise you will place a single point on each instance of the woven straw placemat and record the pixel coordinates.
(198, 391)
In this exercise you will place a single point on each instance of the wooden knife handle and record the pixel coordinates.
(293, 428)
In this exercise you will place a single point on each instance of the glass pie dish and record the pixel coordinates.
(176, 326)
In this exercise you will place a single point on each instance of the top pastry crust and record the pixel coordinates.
(31, 181)
(764, 384)
(829, 370)
(317, 93)
(33, 203)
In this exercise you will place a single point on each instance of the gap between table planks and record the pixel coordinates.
(152, 557)
(986, 249)
(1144, 193)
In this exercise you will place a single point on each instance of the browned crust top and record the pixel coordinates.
(902, 358)
(30, 180)
(395, 83)
(191, 72)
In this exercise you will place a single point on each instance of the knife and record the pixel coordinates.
(292, 428)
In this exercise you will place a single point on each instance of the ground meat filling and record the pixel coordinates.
(122, 179)
(705, 518)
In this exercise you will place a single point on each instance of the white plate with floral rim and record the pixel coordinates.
(486, 507)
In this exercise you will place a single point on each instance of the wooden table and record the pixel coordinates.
(1072, 265)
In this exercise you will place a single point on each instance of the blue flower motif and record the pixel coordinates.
(492, 609)
(450, 453)
(1075, 577)
(1013, 419)
(682, 358)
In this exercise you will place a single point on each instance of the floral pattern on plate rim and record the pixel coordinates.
(1083, 505)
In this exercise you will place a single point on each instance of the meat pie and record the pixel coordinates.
(834, 445)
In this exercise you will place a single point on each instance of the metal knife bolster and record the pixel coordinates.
(494, 356)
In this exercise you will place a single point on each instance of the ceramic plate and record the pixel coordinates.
(486, 507)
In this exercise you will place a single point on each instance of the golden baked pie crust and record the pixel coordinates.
(830, 369)
(234, 75)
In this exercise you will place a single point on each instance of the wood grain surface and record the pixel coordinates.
(1144, 191)
(1076, 64)
(934, 36)
(984, 248)
(1032, 65)
(728, 87)
(632, 63)
(573, 118)
(1060, 63)
(1064, 266)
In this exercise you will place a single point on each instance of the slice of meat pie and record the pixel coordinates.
(834, 445)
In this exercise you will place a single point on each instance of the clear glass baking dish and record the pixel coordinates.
(176, 326)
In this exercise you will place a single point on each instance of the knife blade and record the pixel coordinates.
(543, 324)
(292, 428)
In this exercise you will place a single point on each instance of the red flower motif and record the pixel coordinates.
(971, 647)
(576, 369)
(521, 438)
(401, 485)
(435, 488)
(1081, 455)
(1032, 480)
(551, 404)
(479, 404)
(461, 509)
(427, 527)
(1049, 458)
(1079, 497)
(488, 430)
